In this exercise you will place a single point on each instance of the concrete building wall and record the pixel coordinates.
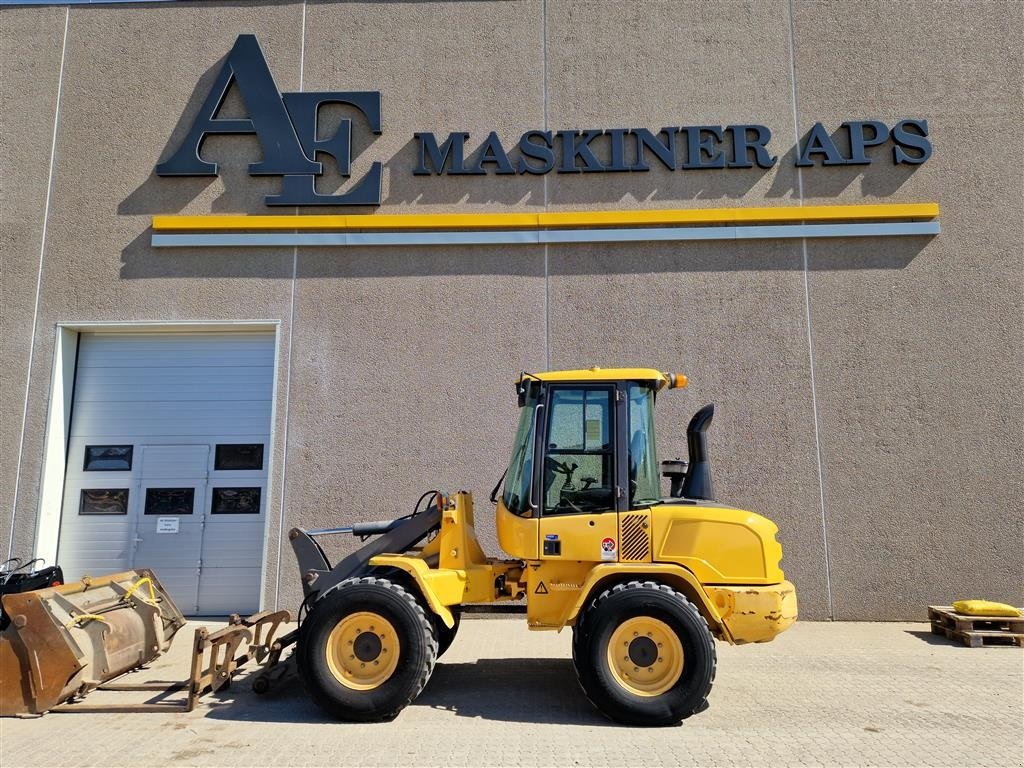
(868, 391)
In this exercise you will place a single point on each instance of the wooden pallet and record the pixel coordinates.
(976, 631)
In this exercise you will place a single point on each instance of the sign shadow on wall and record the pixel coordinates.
(825, 182)
(658, 185)
(155, 195)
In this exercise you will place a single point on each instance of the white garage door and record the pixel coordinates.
(167, 463)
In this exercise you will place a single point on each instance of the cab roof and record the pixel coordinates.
(603, 374)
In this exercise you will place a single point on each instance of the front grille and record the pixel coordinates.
(634, 537)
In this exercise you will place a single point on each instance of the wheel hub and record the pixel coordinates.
(645, 656)
(367, 646)
(643, 652)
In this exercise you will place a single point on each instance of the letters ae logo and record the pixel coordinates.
(285, 124)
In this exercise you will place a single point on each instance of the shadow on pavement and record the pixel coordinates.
(932, 639)
(509, 690)
(512, 690)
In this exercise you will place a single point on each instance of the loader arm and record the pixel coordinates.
(395, 537)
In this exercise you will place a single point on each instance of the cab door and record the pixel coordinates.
(578, 482)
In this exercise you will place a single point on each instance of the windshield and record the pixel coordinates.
(644, 480)
(520, 469)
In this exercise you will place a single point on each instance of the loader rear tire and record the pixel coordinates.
(367, 650)
(644, 654)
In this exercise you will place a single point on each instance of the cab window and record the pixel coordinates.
(520, 468)
(644, 478)
(579, 457)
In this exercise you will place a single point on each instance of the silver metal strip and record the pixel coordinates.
(513, 237)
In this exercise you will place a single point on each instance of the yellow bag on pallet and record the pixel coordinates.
(984, 608)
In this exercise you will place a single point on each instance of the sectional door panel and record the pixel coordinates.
(170, 434)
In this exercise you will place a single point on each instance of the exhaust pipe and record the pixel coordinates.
(697, 484)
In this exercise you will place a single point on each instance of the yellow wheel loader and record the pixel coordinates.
(645, 583)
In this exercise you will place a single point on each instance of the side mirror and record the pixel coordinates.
(676, 472)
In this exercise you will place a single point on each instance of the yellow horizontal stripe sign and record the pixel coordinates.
(548, 219)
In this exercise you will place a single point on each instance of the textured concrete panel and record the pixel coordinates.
(731, 316)
(405, 358)
(440, 67)
(732, 324)
(403, 381)
(918, 342)
(650, 65)
(99, 266)
(30, 48)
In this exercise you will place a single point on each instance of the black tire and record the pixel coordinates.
(577, 639)
(644, 601)
(416, 657)
(446, 636)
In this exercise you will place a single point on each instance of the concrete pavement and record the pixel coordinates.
(821, 694)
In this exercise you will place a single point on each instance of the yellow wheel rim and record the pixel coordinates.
(362, 650)
(645, 656)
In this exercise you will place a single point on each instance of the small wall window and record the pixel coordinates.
(170, 501)
(108, 458)
(104, 501)
(239, 456)
(236, 501)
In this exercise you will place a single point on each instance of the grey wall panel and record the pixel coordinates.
(405, 357)
(920, 354)
(624, 64)
(731, 317)
(442, 67)
(31, 40)
(738, 334)
(404, 381)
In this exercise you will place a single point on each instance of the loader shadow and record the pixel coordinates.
(542, 691)
(511, 690)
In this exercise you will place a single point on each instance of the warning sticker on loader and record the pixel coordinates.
(541, 589)
(608, 549)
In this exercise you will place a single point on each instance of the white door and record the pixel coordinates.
(169, 518)
(159, 418)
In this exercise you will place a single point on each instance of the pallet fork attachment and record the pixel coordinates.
(215, 660)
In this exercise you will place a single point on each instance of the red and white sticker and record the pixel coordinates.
(608, 549)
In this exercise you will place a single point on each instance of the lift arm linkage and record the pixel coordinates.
(318, 576)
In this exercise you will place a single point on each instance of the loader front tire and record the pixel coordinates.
(644, 654)
(366, 650)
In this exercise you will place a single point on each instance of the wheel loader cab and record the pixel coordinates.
(584, 452)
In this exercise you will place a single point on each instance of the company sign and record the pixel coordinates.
(286, 126)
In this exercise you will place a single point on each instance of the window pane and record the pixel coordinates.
(169, 501)
(108, 458)
(236, 501)
(644, 478)
(520, 468)
(104, 501)
(239, 456)
(579, 466)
